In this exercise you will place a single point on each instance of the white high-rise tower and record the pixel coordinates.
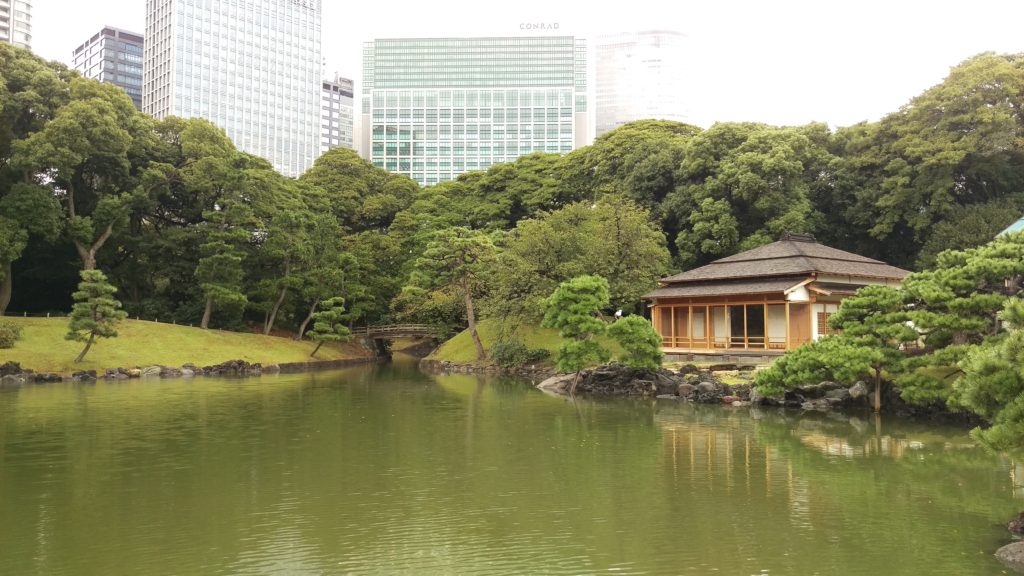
(252, 67)
(640, 76)
(16, 22)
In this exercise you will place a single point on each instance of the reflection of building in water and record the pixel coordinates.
(859, 447)
(1017, 478)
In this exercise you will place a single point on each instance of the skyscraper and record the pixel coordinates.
(113, 56)
(251, 67)
(435, 108)
(337, 115)
(639, 76)
(16, 22)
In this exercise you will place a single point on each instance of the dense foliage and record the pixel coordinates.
(190, 229)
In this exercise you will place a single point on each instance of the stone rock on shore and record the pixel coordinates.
(151, 371)
(169, 372)
(233, 368)
(12, 380)
(84, 376)
(1013, 556)
(1017, 524)
(858, 390)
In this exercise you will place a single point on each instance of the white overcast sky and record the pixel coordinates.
(776, 61)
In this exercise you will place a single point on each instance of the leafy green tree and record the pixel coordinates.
(740, 186)
(363, 197)
(325, 267)
(573, 309)
(956, 144)
(90, 153)
(969, 227)
(31, 93)
(612, 238)
(220, 271)
(329, 324)
(457, 259)
(641, 344)
(993, 383)
(96, 312)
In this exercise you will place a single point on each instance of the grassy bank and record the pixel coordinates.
(141, 343)
(460, 349)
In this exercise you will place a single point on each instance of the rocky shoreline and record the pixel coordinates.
(12, 374)
(706, 386)
(690, 383)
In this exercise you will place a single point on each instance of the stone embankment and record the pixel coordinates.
(12, 374)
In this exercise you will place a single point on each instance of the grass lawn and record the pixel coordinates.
(140, 343)
(460, 349)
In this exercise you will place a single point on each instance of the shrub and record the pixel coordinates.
(512, 354)
(9, 334)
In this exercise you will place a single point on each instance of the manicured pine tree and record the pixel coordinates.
(993, 383)
(640, 342)
(96, 312)
(329, 324)
(458, 259)
(573, 309)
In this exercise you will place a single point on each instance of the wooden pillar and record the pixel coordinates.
(672, 326)
(689, 325)
(764, 308)
(789, 338)
(746, 331)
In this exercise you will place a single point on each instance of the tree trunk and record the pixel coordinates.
(317, 349)
(206, 313)
(88, 254)
(878, 390)
(471, 320)
(302, 328)
(92, 335)
(6, 288)
(273, 311)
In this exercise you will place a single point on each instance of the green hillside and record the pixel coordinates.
(140, 343)
(460, 349)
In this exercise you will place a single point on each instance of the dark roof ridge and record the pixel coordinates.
(861, 259)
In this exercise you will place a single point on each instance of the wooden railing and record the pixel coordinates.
(395, 330)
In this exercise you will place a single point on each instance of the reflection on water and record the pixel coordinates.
(384, 469)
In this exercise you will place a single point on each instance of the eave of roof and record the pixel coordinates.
(726, 288)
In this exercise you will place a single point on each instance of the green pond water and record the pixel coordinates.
(384, 470)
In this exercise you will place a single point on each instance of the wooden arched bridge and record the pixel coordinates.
(388, 331)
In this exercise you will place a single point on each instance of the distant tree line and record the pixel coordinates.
(188, 228)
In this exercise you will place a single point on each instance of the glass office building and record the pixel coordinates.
(113, 56)
(639, 76)
(435, 108)
(16, 22)
(337, 115)
(252, 67)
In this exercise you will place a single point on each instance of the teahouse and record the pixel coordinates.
(763, 301)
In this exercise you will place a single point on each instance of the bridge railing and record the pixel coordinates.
(395, 329)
